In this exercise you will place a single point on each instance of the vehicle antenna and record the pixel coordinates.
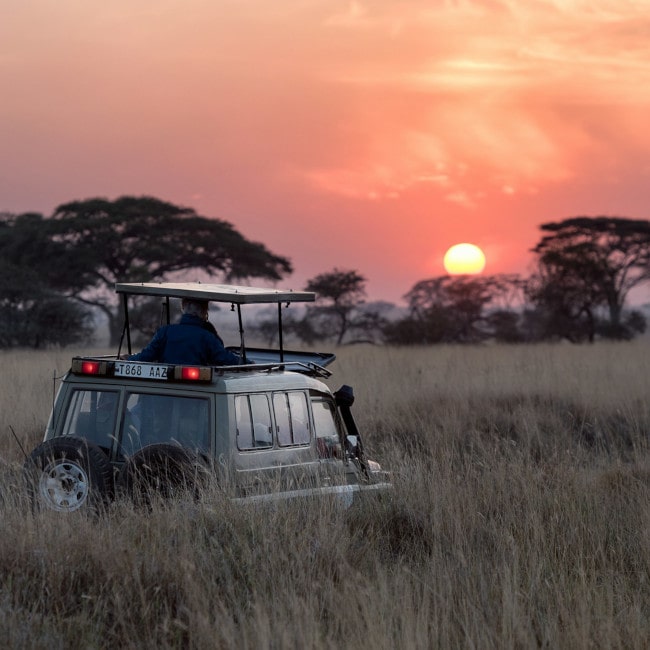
(18, 441)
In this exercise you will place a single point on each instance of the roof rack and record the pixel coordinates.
(307, 368)
(106, 365)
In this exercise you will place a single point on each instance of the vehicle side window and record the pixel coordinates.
(282, 422)
(91, 415)
(254, 430)
(328, 441)
(299, 418)
(150, 419)
(262, 428)
(291, 418)
(244, 422)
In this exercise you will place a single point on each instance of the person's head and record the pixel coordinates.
(195, 307)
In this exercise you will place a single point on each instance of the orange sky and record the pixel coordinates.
(369, 135)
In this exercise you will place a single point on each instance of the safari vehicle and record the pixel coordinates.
(269, 429)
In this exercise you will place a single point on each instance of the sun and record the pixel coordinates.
(464, 259)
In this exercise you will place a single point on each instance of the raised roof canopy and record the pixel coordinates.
(231, 293)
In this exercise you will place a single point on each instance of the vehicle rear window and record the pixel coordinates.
(91, 415)
(174, 419)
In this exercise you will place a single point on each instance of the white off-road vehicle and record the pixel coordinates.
(269, 429)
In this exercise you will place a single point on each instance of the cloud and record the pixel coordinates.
(353, 16)
(491, 84)
(371, 100)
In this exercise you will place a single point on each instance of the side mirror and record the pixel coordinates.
(344, 396)
(352, 445)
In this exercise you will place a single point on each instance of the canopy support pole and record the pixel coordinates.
(241, 333)
(167, 309)
(280, 341)
(127, 327)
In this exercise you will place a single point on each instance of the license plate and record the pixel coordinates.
(139, 370)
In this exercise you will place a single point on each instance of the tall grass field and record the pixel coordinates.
(519, 518)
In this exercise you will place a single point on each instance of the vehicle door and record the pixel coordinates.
(275, 448)
(91, 412)
(170, 417)
(328, 432)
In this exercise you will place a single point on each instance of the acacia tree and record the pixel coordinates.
(585, 264)
(33, 310)
(451, 306)
(563, 305)
(32, 315)
(140, 239)
(454, 309)
(26, 244)
(339, 294)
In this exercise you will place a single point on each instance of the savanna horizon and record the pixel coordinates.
(519, 518)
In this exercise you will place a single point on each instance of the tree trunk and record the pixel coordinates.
(343, 327)
(591, 332)
(115, 328)
(615, 314)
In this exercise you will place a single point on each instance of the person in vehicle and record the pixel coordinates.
(188, 341)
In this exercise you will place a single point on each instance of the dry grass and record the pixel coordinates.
(520, 518)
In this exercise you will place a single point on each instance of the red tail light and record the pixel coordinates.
(90, 367)
(191, 373)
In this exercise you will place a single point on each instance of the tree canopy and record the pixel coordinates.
(338, 294)
(454, 309)
(33, 315)
(140, 239)
(585, 263)
(85, 247)
(143, 238)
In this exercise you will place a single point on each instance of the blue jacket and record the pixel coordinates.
(187, 342)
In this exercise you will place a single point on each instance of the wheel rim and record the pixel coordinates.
(64, 486)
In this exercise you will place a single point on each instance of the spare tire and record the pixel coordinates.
(162, 470)
(67, 473)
